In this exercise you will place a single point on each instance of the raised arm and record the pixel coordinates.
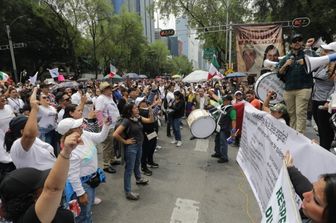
(266, 106)
(48, 203)
(30, 131)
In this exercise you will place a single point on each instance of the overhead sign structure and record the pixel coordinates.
(300, 22)
(167, 32)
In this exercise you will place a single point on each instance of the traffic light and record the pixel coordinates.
(300, 22)
(167, 32)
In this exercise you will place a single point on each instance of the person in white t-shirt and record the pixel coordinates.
(6, 114)
(107, 108)
(26, 149)
(14, 101)
(47, 122)
(84, 164)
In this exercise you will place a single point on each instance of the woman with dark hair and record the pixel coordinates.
(76, 112)
(318, 199)
(177, 114)
(129, 132)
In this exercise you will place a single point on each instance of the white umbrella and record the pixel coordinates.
(196, 76)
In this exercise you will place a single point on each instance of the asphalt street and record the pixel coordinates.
(188, 187)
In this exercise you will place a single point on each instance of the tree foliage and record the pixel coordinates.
(320, 12)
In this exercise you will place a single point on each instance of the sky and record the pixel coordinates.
(164, 23)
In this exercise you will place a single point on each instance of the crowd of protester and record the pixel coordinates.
(46, 127)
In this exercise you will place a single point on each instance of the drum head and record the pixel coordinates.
(269, 82)
(203, 127)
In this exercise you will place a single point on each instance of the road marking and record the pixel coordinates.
(202, 145)
(185, 211)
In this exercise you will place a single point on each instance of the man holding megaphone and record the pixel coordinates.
(298, 83)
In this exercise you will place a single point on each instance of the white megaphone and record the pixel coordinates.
(311, 63)
(270, 64)
(319, 43)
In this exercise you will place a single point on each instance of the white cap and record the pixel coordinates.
(68, 123)
(138, 100)
(238, 92)
(330, 46)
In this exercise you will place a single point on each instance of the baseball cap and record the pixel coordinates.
(297, 37)
(104, 85)
(22, 181)
(68, 123)
(330, 46)
(279, 108)
(238, 92)
(138, 100)
(227, 97)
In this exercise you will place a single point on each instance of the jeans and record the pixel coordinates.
(86, 211)
(50, 137)
(221, 146)
(176, 128)
(132, 160)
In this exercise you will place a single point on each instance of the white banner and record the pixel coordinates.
(264, 141)
(283, 206)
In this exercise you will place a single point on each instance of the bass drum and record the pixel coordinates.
(269, 82)
(201, 123)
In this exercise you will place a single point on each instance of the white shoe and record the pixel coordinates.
(173, 142)
(158, 147)
(97, 200)
(179, 143)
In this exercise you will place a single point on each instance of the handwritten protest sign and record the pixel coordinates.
(264, 140)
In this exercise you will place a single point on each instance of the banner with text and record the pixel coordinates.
(251, 43)
(264, 140)
(283, 205)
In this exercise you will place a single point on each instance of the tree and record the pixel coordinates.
(46, 40)
(156, 58)
(181, 65)
(320, 12)
(126, 44)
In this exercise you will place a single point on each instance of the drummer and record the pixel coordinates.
(201, 101)
(227, 131)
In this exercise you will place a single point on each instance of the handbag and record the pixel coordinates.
(151, 136)
(94, 181)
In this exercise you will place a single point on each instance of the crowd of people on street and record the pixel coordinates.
(49, 136)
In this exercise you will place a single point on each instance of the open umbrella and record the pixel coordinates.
(196, 76)
(131, 76)
(3, 76)
(142, 76)
(176, 76)
(236, 74)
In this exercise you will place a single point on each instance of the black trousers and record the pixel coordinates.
(322, 118)
(148, 148)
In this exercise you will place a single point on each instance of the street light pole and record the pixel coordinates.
(11, 49)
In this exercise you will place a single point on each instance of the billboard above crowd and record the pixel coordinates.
(251, 43)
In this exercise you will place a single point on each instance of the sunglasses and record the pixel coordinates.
(45, 97)
(296, 40)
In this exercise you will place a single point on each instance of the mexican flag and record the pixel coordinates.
(213, 72)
